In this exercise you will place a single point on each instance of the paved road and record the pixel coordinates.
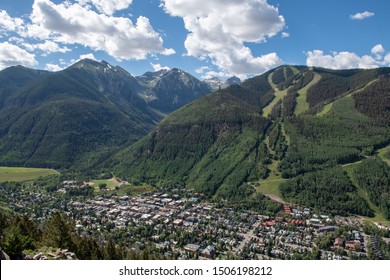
(247, 237)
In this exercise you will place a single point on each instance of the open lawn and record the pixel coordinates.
(111, 184)
(21, 174)
(270, 187)
(124, 188)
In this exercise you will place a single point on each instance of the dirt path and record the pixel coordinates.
(275, 198)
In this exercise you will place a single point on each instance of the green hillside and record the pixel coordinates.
(62, 119)
(211, 145)
(223, 146)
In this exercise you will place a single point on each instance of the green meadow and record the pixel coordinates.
(21, 174)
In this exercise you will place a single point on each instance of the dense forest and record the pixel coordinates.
(220, 142)
(374, 176)
(374, 100)
(335, 83)
(22, 235)
(329, 190)
(210, 145)
(340, 137)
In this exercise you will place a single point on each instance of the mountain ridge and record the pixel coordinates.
(222, 144)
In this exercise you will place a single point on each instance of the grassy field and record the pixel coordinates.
(302, 105)
(133, 190)
(278, 96)
(124, 188)
(325, 110)
(111, 184)
(21, 174)
(270, 187)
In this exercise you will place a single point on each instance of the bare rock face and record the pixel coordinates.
(59, 254)
(4, 256)
(38, 256)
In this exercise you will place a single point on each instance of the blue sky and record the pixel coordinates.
(205, 38)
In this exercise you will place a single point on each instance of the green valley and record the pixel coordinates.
(20, 174)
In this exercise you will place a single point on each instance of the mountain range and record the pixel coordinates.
(292, 131)
(296, 132)
(83, 112)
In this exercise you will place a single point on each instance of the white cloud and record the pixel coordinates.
(360, 16)
(208, 73)
(387, 59)
(53, 67)
(347, 60)
(7, 23)
(47, 47)
(64, 64)
(76, 23)
(109, 6)
(378, 49)
(202, 69)
(219, 74)
(158, 67)
(285, 35)
(13, 55)
(81, 57)
(218, 30)
(88, 55)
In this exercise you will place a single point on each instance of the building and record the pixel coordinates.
(192, 248)
(209, 252)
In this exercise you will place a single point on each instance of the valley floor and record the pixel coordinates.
(181, 225)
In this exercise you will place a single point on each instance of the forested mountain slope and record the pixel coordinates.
(56, 119)
(220, 143)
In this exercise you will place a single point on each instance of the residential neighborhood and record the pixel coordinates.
(181, 224)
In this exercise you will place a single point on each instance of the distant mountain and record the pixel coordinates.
(211, 144)
(149, 79)
(15, 78)
(215, 83)
(293, 125)
(174, 89)
(232, 81)
(81, 114)
(68, 117)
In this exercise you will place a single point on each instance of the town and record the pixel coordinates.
(181, 224)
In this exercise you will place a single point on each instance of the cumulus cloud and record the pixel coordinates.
(109, 7)
(202, 69)
(7, 23)
(158, 67)
(53, 67)
(285, 35)
(47, 47)
(68, 23)
(12, 55)
(386, 59)
(347, 60)
(88, 55)
(360, 16)
(56, 27)
(377, 49)
(219, 29)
